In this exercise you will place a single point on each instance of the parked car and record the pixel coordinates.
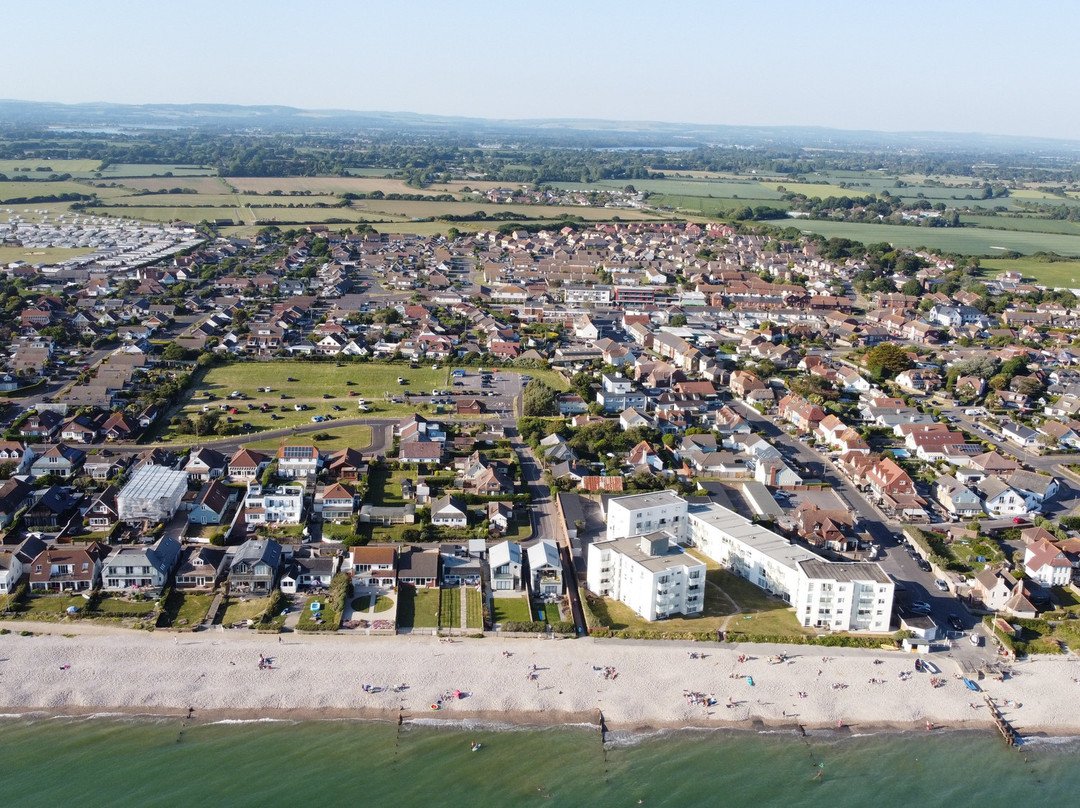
(920, 607)
(955, 623)
(1018, 520)
(924, 565)
(942, 585)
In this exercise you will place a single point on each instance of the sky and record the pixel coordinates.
(990, 67)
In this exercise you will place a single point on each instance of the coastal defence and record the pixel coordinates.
(615, 685)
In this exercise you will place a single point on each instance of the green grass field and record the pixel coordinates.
(963, 240)
(425, 607)
(450, 608)
(248, 609)
(474, 608)
(1058, 274)
(39, 255)
(344, 437)
(372, 382)
(1029, 224)
(515, 610)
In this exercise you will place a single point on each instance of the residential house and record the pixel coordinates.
(298, 461)
(1047, 564)
(959, 500)
(205, 464)
(51, 508)
(103, 512)
(144, 569)
(254, 567)
(448, 511)
(14, 496)
(998, 591)
(283, 504)
(60, 460)
(545, 569)
(67, 568)
(336, 502)
(504, 562)
(308, 571)
(212, 503)
(247, 464)
(373, 566)
(418, 567)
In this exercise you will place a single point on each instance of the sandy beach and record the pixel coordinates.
(636, 685)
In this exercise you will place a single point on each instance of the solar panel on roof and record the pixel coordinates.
(293, 452)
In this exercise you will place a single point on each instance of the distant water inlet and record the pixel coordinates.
(171, 762)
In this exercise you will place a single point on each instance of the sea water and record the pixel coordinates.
(109, 761)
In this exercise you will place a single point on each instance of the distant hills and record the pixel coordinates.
(583, 132)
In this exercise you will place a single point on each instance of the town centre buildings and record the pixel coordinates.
(838, 596)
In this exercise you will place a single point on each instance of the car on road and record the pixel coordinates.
(924, 565)
(920, 607)
(955, 623)
(1018, 520)
(942, 585)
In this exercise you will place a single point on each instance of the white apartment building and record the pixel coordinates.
(636, 514)
(283, 504)
(753, 552)
(651, 574)
(844, 597)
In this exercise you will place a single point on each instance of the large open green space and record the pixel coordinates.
(964, 240)
(1057, 274)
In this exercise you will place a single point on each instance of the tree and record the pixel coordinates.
(539, 400)
(911, 287)
(889, 358)
(677, 320)
(174, 352)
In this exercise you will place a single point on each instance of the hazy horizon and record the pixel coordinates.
(963, 67)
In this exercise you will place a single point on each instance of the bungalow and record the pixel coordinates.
(247, 464)
(373, 566)
(205, 464)
(146, 569)
(420, 451)
(447, 511)
(347, 465)
(419, 568)
(79, 429)
(1019, 434)
(500, 515)
(307, 572)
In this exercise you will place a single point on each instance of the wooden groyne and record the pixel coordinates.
(1006, 730)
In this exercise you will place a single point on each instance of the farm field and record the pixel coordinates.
(324, 185)
(174, 213)
(712, 206)
(15, 167)
(425, 209)
(118, 170)
(751, 189)
(201, 185)
(1057, 274)
(221, 199)
(18, 189)
(1025, 224)
(966, 240)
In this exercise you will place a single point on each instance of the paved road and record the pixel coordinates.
(542, 509)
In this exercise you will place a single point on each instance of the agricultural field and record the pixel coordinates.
(15, 168)
(119, 170)
(174, 213)
(965, 240)
(1059, 274)
(750, 189)
(712, 206)
(422, 210)
(201, 185)
(1029, 224)
(324, 185)
(20, 189)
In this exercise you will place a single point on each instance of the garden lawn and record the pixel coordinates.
(107, 604)
(249, 609)
(426, 608)
(474, 608)
(450, 608)
(53, 605)
(182, 610)
(511, 610)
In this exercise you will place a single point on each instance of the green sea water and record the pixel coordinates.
(143, 762)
